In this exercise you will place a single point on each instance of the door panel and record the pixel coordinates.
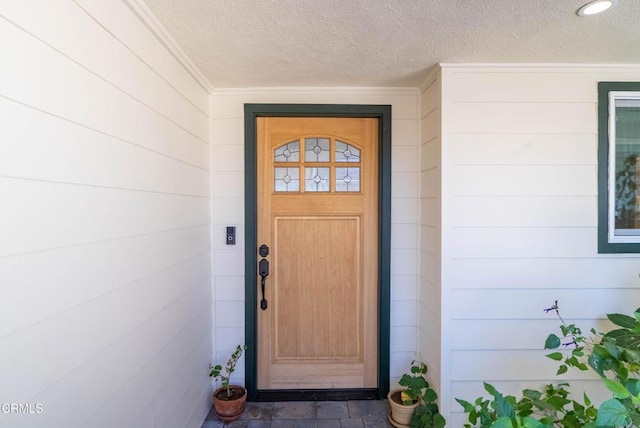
(318, 212)
(316, 256)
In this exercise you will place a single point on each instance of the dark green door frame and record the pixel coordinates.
(383, 114)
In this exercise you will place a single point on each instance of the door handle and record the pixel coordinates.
(263, 269)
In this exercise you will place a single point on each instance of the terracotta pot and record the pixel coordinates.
(229, 410)
(401, 414)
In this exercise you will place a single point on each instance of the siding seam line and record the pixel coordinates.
(98, 186)
(142, 59)
(79, 244)
(123, 286)
(100, 132)
(113, 85)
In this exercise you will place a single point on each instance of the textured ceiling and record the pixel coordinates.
(248, 43)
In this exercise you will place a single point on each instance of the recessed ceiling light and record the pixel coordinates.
(595, 7)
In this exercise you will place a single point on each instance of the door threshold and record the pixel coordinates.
(317, 394)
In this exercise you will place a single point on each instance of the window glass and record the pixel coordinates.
(627, 161)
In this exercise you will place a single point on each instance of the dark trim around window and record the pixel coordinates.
(604, 244)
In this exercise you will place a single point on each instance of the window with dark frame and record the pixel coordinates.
(619, 167)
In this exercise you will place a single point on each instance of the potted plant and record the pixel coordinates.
(228, 400)
(416, 404)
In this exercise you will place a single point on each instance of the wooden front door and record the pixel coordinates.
(318, 216)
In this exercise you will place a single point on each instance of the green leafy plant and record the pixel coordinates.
(414, 382)
(548, 408)
(224, 374)
(427, 414)
(614, 356)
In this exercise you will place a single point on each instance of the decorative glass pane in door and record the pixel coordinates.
(323, 165)
(346, 152)
(289, 152)
(316, 149)
(348, 179)
(316, 179)
(287, 179)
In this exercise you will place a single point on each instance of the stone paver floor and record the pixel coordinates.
(309, 414)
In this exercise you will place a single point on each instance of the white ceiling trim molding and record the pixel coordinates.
(523, 67)
(146, 16)
(326, 90)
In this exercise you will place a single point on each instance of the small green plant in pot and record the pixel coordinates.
(415, 405)
(228, 400)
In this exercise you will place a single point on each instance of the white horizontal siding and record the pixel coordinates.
(524, 211)
(144, 376)
(95, 52)
(569, 272)
(404, 287)
(405, 157)
(519, 221)
(404, 132)
(135, 303)
(34, 206)
(430, 183)
(39, 294)
(591, 303)
(513, 83)
(429, 211)
(503, 243)
(523, 149)
(430, 295)
(481, 334)
(101, 377)
(404, 210)
(125, 26)
(95, 156)
(430, 99)
(519, 180)
(429, 240)
(105, 261)
(495, 365)
(430, 126)
(523, 118)
(100, 106)
(404, 235)
(541, 86)
(430, 154)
